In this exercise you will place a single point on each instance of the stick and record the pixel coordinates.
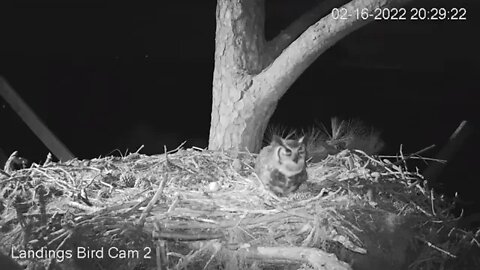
(315, 257)
(33, 122)
(156, 196)
(153, 201)
(423, 150)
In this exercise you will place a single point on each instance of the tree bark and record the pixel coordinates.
(236, 113)
(251, 75)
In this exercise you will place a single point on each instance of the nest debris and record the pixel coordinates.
(200, 209)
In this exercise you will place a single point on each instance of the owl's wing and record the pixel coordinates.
(263, 159)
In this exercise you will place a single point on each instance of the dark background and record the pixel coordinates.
(105, 77)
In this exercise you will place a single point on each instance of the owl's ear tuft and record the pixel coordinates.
(277, 140)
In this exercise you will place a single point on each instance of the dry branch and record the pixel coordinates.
(319, 37)
(33, 122)
(318, 259)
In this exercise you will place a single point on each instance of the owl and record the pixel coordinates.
(281, 166)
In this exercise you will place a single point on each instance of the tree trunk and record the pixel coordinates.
(236, 114)
(251, 75)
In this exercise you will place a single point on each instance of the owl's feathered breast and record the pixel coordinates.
(282, 176)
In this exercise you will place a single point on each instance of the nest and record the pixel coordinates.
(199, 209)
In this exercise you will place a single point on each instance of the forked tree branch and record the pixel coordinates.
(298, 56)
(275, 46)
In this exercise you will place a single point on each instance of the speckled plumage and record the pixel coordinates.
(281, 166)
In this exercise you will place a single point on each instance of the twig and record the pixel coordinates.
(72, 181)
(436, 248)
(432, 199)
(176, 149)
(84, 207)
(173, 204)
(374, 160)
(423, 150)
(66, 235)
(415, 157)
(189, 237)
(140, 148)
(154, 200)
(421, 209)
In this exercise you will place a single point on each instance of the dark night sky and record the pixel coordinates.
(103, 78)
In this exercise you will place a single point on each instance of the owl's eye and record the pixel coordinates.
(288, 152)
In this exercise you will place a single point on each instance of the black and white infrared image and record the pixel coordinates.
(240, 134)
